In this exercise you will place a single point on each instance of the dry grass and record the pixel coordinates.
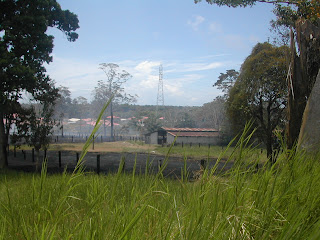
(123, 146)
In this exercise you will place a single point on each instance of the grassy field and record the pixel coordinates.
(281, 201)
(120, 146)
(140, 147)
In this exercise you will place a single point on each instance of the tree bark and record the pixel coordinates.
(3, 143)
(303, 75)
(296, 96)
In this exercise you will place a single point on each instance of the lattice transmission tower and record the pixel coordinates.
(160, 99)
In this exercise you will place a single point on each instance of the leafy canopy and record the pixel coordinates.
(260, 92)
(287, 10)
(25, 45)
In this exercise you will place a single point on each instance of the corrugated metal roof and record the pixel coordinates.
(190, 129)
(194, 134)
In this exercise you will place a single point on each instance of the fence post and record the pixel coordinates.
(209, 145)
(32, 154)
(199, 144)
(72, 138)
(101, 138)
(160, 164)
(24, 155)
(98, 164)
(182, 144)
(77, 156)
(93, 142)
(190, 144)
(203, 163)
(59, 159)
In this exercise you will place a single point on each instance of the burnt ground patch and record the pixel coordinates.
(109, 162)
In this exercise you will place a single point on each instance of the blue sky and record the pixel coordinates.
(193, 42)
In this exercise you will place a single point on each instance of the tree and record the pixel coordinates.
(226, 81)
(62, 105)
(260, 92)
(112, 88)
(40, 128)
(81, 108)
(24, 48)
(303, 18)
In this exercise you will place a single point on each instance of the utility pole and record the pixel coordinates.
(160, 99)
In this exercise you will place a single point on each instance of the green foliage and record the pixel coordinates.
(226, 81)
(260, 92)
(231, 3)
(24, 48)
(40, 127)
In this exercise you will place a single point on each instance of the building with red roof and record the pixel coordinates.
(185, 136)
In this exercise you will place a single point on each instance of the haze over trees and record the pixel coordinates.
(112, 89)
(25, 47)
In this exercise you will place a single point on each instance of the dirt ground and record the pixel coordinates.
(109, 161)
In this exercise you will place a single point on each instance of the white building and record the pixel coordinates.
(185, 136)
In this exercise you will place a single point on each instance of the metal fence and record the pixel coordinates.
(97, 139)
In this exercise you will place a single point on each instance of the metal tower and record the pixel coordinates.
(160, 99)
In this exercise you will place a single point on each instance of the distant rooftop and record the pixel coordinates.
(190, 129)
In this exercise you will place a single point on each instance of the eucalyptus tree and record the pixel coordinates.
(260, 91)
(62, 108)
(24, 47)
(112, 88)
(226, 81)
(303, 20)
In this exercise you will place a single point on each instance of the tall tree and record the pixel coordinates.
(260, 92)
(226, 81)
(24, 47)
(303, 18)
(112, 88)
(62, 106)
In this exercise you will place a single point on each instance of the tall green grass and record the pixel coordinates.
(250, 201)
(281, 201)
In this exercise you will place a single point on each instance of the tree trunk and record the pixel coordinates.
(303, 75)
(37, 159)
(111, 122)
(104, 127)
(309, 138)
(3, 143)
(296, 96)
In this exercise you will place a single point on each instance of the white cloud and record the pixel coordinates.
(181, 80)
(215, 27)
(195, 22)
(146, 67)
(193, 67)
